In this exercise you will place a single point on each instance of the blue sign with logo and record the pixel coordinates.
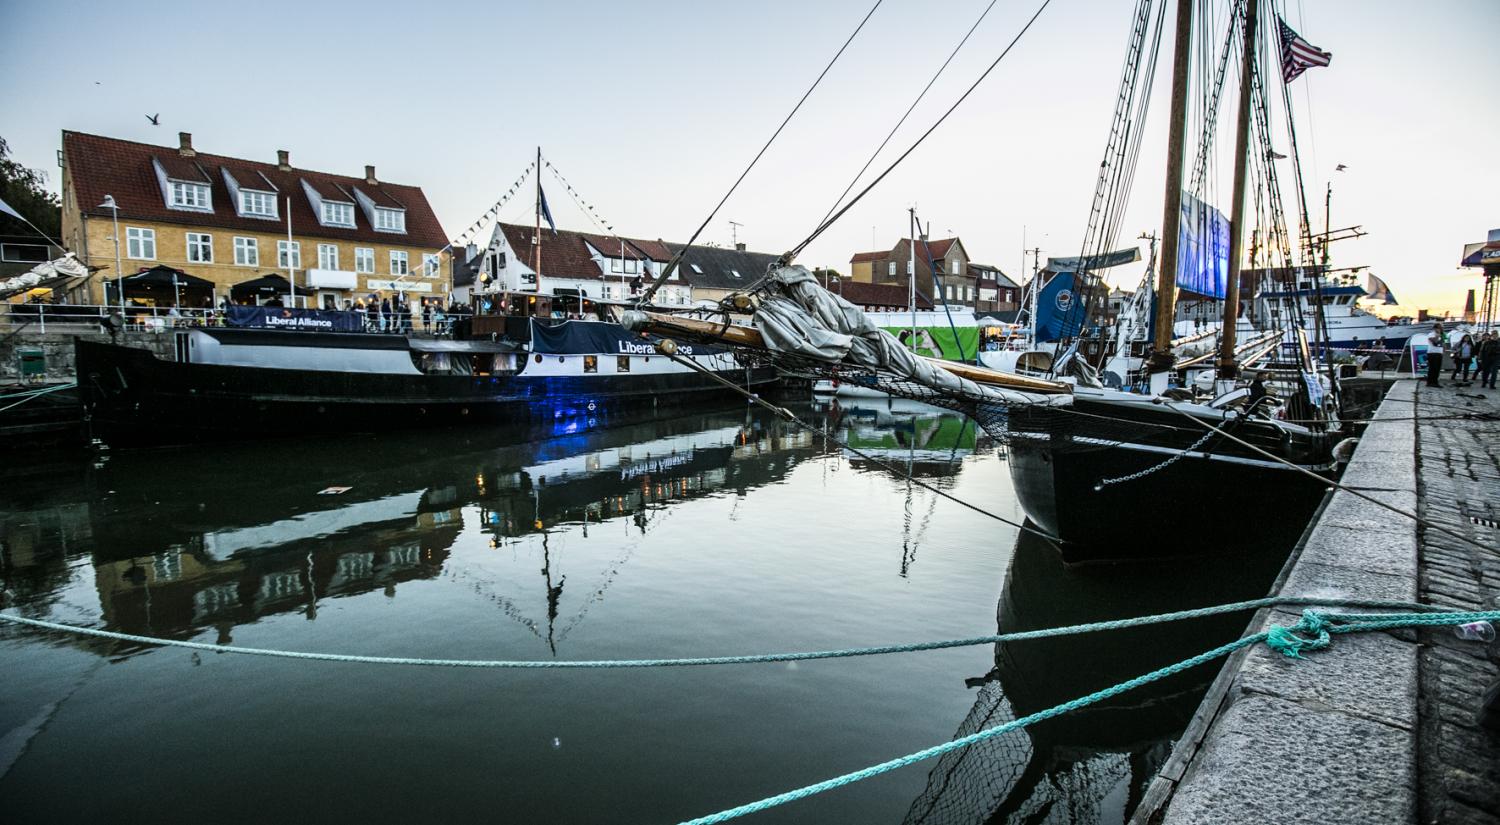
(1058, 314)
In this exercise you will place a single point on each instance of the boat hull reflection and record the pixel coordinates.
(1091, 765)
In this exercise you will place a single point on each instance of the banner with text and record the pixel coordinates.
(315, 320)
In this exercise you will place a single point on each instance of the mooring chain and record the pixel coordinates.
(1105, 482)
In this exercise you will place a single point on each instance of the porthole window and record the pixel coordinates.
(539, 358)
(590, 363)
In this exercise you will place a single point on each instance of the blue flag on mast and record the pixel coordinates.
(1202, 248)
(546, 213)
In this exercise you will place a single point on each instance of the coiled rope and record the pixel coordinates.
(1117, 624)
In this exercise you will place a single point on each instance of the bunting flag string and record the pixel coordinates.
(494, 210)
(587, 208)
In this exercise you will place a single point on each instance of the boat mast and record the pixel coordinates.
(1166, 275)
(911, 275)
(536, 240)
(1228, 369)
(1036, 288)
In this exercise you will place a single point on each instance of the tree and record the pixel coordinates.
(24, 189)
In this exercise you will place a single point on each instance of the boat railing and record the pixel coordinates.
(39, 318)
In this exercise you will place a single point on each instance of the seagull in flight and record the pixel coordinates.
(1341, 167)
(155, 119)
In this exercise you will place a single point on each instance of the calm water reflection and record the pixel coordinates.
(716, 533)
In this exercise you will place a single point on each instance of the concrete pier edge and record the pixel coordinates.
(1332, 737)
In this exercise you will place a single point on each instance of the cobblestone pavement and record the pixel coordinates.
(1458, 485)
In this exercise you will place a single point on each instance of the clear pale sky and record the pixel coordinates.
(652, 109)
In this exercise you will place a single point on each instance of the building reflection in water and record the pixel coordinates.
(218, 540)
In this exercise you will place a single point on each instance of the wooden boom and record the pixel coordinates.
(658, 323)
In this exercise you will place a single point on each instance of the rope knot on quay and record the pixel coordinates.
(1288, 642)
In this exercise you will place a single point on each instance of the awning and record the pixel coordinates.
(271, 284)
(163, 275)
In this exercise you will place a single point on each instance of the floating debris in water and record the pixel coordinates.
(334, 491)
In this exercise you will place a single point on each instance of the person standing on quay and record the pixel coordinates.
(385, 314)
(1463, 356)
(1489, 359)
(427, 316)
(1436, 340)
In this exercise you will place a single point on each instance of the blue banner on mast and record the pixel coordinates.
(1202, 248)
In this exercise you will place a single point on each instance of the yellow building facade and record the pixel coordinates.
(226, 221)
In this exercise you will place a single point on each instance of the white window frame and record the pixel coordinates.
(190, 195)
(258, 204)
(295, 247)
(404, 259)
(140, 243)
(890, 269)
(364, 260)
(246, 251)
(431, 267)
(338, 214)
(200, 248)
(390, 220)
(328, 256)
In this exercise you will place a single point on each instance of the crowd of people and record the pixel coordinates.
(402, 315)
(1480, 354)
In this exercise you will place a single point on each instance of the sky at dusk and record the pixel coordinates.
(652, 109)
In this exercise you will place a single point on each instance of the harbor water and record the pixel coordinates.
(716, 533)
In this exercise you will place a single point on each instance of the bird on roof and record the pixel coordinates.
(155, 119)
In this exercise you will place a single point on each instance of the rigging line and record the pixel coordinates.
(677, 258)
(937, 288)
(497, 205)
(909, 110)
(1117, 154)
(1331, 483)
(791, 417)
(897, 162)
(589, 213)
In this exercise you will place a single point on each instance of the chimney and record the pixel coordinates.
(370, 175)
(185, 144)
(739, 247)
(283, 160)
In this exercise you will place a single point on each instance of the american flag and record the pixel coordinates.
(1298, 55)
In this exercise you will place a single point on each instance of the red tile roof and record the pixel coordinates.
(564, 254)
(330, 191)
(861, 257)
(889, 295)
(635, 249)
(178, 167)
(102, 166)
(939, 247)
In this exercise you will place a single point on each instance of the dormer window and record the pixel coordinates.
(186, 195)
(338, 214)
(257, 204)
(390, 220)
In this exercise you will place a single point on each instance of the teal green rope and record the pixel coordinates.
(1312, 622)
(27, 395)
(1118, 624)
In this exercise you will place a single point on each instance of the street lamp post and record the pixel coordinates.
(109, 203)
